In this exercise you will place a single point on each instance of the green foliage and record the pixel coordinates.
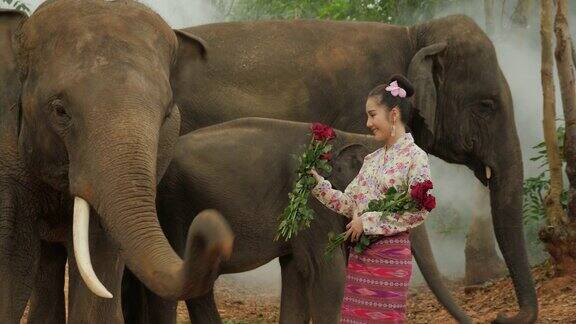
(536, 188)
(18, 5)
(298, 215)
(389, 11)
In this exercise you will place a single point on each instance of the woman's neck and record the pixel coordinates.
(398, 133)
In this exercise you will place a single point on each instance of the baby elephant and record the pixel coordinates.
(245, 168)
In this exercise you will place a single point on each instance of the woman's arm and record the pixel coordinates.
(399, 222)
(338, 201)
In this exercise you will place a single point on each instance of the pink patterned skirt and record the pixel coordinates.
(377, 282)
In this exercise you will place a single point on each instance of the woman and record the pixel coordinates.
(377, 279)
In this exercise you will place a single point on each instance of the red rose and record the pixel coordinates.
(429, 203)
(418, 193)
(427, 185)
(322, 132)
(326, 156)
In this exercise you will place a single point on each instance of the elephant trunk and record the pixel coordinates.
(425, 259)
(118, 178)
(506, 197)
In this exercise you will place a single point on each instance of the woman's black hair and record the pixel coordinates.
(386, 98)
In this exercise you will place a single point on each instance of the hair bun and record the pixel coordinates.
(403, 83)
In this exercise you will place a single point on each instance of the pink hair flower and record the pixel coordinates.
(396, 90)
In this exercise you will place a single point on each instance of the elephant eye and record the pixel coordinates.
(488, 104)
(60, 116)
(484, 109)
(58, 108)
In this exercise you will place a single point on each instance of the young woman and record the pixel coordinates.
(377, 279)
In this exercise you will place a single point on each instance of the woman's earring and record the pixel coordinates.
(393, 133)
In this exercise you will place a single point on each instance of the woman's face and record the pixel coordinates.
(379, 119)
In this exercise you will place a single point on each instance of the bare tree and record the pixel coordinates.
(559, 235)
(565, 66)
(521, 14)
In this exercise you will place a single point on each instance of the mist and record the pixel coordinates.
(455, 186)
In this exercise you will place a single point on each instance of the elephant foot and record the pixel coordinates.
(523, 317)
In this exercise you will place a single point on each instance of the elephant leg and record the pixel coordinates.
(141, 306)
(134, 304)
(203, 309)
(326, 291)
(294, 306)
(161, 311)
(83, 305)
(47, 302)
(19, 253)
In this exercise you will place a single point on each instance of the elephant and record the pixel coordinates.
(88, 124)
(251, 192)
(312, 70)
(305, 71)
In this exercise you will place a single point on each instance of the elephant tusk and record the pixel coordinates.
(82, 248)
(488, 173)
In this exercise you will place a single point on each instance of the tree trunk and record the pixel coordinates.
(521, 13)
(482, 261)
(559, 235)
(489, 16)
(565, 67)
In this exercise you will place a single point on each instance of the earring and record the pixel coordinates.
(393, 133)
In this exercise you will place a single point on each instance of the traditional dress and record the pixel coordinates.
(377, 279)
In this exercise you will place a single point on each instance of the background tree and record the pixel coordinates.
(559, 235)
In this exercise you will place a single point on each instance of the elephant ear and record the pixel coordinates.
(421, 75)
(10, 22)
(189, 42)
(347, 162)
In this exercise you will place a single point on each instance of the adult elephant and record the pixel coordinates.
(322, 71)
(87, 120)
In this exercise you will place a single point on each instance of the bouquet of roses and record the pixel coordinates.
(394, 202)
(298, 215)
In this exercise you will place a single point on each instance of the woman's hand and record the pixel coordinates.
(354, 229)
(315, 174)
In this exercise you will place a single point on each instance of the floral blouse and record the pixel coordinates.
(403, 163)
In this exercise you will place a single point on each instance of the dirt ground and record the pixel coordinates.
(557, 301)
